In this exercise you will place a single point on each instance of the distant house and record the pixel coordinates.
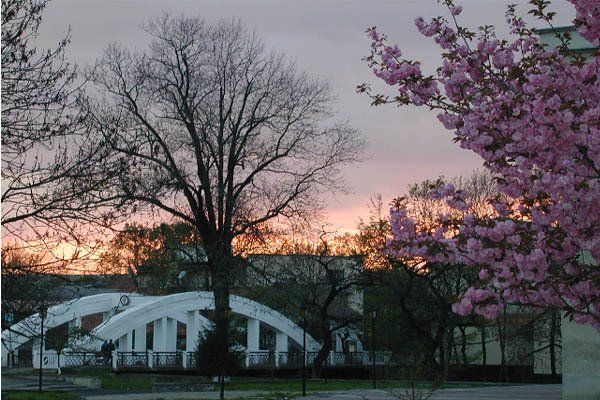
(555, 37)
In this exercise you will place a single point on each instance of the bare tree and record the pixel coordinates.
(50, 167)
(218, 132)
(326, 287)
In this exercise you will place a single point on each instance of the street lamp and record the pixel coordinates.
(373, 371)
(303, 315)
(42, 317)
(225, 359)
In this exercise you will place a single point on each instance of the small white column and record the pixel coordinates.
(150, 359)
(253, 335)
(115, 360)
(191, 331)
(184, 360)
(140, 338)
(171, 334)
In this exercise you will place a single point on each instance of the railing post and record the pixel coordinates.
(184, 360)
(276, 359)
(247, 359)
(115, 361)
(150, 355)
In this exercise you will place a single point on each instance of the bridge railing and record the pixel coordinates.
(164, 359)
(289, 360)
(349, 358)
(260, 359)
(133, 359)
(190, 359)
(84, 359)
(254, 360)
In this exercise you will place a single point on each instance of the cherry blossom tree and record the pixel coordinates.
(533, 114)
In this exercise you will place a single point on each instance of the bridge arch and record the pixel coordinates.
(73, 311)
(191, 303)
(163, 311)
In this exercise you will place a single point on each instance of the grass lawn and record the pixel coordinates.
(132, 381)
(24, 395)
(295, 385)
(114, 381)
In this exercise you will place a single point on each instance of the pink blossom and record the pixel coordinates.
(534, 120)
(455, 10)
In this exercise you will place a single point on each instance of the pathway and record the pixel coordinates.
(522, 392)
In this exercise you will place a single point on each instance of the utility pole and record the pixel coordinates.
(303, 313)
(42, 317)
(373, 368)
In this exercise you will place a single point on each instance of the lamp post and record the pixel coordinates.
(225, 358)
(373, 371)
(303, 315)
(9, 321)
(42, 317)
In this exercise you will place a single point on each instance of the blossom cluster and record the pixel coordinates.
(588, 19)
(533, 115)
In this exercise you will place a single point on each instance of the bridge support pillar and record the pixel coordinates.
(252, 338)
(171, 338)
(125, 342)
(140, 338)
(253, 335)
(159, 334)
(281, 342)
(191, 331)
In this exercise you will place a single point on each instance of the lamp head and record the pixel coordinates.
(374, 313)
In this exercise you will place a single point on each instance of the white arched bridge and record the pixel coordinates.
(174, 324)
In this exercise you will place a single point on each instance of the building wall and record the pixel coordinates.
(580, 361)
(577, 44)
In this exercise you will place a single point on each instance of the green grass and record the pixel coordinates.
(110, 380)
(24, 395)
(133, 381)
(286, 385)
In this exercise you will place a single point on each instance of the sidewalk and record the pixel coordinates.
(25, 380)
(230, 394)
(517, 392)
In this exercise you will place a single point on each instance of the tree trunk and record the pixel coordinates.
(463, 346)
(449, 344)
(503, 376)
(220, 257)
(325, 349)
(483, 347)
(553, 326)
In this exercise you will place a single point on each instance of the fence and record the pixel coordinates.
(181, 360)
(84, 359)
(133, 360)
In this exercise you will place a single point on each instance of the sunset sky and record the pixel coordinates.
(327, 39)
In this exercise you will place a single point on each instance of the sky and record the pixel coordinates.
(326, 39)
